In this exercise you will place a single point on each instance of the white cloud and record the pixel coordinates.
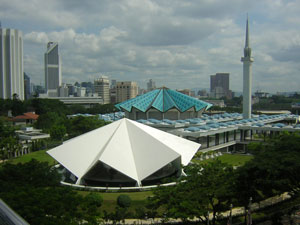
(177, 43)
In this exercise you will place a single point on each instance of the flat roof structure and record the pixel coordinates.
(124, 152)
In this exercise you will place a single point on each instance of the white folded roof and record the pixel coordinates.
(132, 148)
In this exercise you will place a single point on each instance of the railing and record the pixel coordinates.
(116, 189)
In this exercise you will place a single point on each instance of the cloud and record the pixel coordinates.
(177, 43)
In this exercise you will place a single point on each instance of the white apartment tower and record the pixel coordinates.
(52, 69)
(101, 87)
(247, 76)
(11, 64)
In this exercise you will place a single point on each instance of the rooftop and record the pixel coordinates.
(163, 99)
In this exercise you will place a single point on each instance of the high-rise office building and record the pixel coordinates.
(63, 91)
(247, 76)
(27, 86)
(151, 85)
(53, 77)
(113, 91)
(11, 64)
(101, 87)
(219, 85)
(126, 90)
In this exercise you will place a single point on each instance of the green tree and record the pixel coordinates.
(32, 189)
(124, 201)
(94, 199)
(43, 106)
(273, 170)
(206, 187)
(102, 109)
(48, 120)
(58, 131)
(80, 125)
(6, 129)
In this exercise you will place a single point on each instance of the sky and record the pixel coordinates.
(177, 43)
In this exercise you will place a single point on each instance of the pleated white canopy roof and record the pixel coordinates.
(131, 148)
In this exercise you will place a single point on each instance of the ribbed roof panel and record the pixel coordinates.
(163, 99)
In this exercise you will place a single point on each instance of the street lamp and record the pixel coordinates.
(146, 217)
(230, 215)
(249, 222)
(164, 218)
(207, 217)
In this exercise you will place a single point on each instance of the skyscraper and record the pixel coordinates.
(151, 85)
(101, 87)
(126, 90)
(219, 85)
(52, 69)
(27, 86)
(11, 64)
(247, 76)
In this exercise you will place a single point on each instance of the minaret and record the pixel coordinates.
(247, 76)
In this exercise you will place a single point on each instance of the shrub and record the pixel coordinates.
(94, 199)
(124, 201)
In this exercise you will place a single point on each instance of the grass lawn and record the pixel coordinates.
(41, 156)
(138, 199)
(235, 159)
(232, 159)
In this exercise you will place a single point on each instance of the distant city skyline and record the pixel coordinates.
(178, 45)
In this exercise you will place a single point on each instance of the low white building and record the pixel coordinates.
(124, 153)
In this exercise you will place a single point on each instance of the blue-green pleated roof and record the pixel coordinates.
(163, 99)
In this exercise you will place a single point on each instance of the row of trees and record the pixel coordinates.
(42, 106)
(32, 190)
(214, 186)
(59, 125)
(52, 119)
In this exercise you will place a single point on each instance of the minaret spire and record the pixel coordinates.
(247, 49)
(247, 75)
(247, 44)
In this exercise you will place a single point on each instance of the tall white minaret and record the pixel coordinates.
(247, 76)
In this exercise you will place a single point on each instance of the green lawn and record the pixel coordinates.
(138, 199)
(41, 156)
(235, 159)
(232, 159)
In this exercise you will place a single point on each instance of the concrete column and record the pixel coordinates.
(207, 140)
(217, 139)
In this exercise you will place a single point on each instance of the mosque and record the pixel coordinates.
(163, 103)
